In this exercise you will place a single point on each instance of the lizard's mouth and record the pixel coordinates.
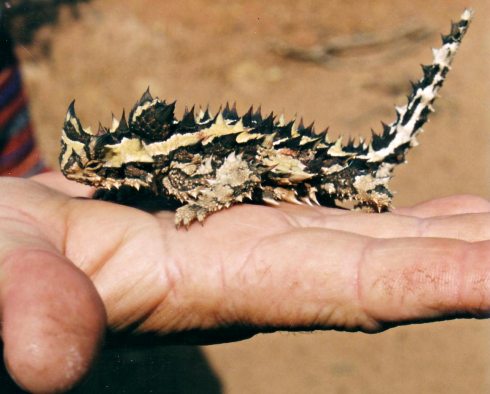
(90, 179)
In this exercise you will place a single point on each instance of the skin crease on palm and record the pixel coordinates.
(71, 266)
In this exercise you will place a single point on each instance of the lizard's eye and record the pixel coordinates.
(93, 165)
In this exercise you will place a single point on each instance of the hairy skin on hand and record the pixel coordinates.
(68, 263)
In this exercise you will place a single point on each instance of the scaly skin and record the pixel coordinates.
(203, 163)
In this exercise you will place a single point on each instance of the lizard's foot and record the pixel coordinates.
(185, 215)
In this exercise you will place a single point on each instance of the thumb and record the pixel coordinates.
(52, 320)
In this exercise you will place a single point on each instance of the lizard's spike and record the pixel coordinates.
(122, 126)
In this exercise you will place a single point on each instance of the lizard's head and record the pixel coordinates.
(82, 155)
(117, 156)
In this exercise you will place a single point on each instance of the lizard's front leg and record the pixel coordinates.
(206, 191)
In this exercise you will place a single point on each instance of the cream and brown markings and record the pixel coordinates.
(205, 163)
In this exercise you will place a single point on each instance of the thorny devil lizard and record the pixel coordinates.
(204, 163)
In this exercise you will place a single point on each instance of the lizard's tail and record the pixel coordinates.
(390, 147)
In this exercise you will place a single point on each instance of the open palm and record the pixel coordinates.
(71, 266)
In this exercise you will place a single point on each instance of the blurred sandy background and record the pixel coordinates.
(201, 52)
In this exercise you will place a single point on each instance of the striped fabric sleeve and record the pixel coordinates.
(19, 155)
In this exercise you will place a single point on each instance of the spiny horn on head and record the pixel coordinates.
(72, 126)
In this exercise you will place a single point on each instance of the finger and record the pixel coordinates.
(402, 280)
(469, 227)
(302, 278)
(452, 205)
(34, 206)
(55, 180)
(325, 280)
(52, 320)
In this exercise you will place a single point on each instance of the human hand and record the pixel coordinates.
(69, 266)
